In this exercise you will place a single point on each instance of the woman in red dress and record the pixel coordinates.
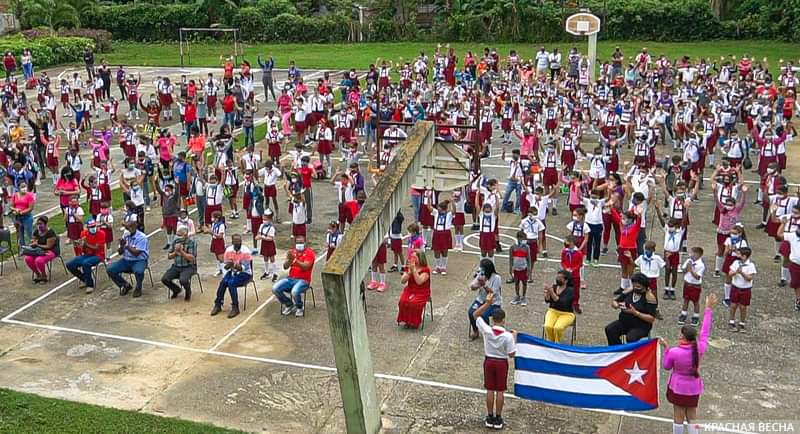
(417, 291)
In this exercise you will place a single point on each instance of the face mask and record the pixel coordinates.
(92, 230)
(237, 247)
(42, 228)
(559, 282)
(648, 253)
(300, 247)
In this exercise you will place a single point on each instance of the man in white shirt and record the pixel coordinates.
(742, 272)
(499, 345)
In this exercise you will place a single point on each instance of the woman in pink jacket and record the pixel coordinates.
(685, 384)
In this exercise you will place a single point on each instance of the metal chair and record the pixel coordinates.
(573, 326)
(95, 272)
(305, 293)
(430, 303)
(255, 291)
(50, 267)
(199, 282)
(132, 278)
(5, 238)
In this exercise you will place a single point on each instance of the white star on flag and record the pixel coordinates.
(635, 374)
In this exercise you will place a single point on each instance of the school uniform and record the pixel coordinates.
(550, 169)
(74, 222)
(488, 225)
(693, 286)
(332, 241)
(442, 236)
(741, 289)
(267, 248)
(672, 247)
(298, 212)
(729, 243)
(218, 238)
(214, 197)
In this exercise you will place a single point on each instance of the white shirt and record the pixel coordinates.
(672, 240)
(442, 221)
(650, 267)
(747, 267)
(499, 345)
(578, 229)
(214, 194)
(298, 213)
(594, 210)
(699, 268)
(794, 246)
(532, 226)
(270, 176)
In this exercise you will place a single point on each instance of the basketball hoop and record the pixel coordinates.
(583, 24)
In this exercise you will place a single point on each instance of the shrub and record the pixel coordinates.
(101, 38)
(145, 21)
(251, 22)
(49, 50)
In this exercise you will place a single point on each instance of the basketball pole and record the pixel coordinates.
(592, 55)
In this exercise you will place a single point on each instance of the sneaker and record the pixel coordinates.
(727, 302)
(436, 270)
(555, 212)
(695, 321)
(498, 422)
(218, 273)
(666, 295)
(604, 252)
(89, 289)
(523, 301)
(776, 258)
(166, 247)
(732, 326)
(544, 254)
(742, 328)
(444, 272)
(682, 319)
(381, 287)
(596, 263)
(264, 276)
(515, 300)
(372, 284)
(392, 269)
(287, 310)
(797, 305)
(782, 283)
(488, 421)
(274, 277)
(299, 312)
(475, 227)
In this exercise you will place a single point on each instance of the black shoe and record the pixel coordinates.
(188, 296)
(475, 227)
(216, 309)
(234, 312)
(797, 305)
(488, 421)
(683, 249)
(393, 269)
(695, 321)
(274, 277)
(682, 319)
(175, 292)
(782, 284)
(137, 292)
(498, 422)
(166, 247)
(666, 295)
(716, 273)
(776, 258)
(264, 276)
(498, 249)
(604, 252)
(125, 290)
(555, 212)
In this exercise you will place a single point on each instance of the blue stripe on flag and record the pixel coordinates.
(533, 340)
(582, 400)
(548, 367)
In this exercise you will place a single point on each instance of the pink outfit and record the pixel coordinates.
(679, 360)
(39, 263)
(20, 204)
(67, 186)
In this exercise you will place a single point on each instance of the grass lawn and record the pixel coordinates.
(346, 56)
(25, 413)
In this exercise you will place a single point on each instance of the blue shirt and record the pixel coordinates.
(138, 241)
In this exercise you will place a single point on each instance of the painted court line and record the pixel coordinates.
(314, 367)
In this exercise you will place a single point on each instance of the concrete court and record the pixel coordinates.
(262, 372)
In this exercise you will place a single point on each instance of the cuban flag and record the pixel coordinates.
(620, 377)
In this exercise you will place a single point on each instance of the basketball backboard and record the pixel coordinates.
(446, 169)
(583, 24)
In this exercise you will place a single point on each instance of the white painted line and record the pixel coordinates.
(390, 377)
(468, 243)
(561, 240)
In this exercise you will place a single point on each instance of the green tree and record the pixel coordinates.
(50, 13)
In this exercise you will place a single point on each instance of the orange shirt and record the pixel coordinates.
(197, 144)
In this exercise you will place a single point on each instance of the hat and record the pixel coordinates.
(268, 211)
(91, 223)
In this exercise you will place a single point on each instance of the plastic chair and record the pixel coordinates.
(430, 303)
(5, 238)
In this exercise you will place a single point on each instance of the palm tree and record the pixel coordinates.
(50, 13)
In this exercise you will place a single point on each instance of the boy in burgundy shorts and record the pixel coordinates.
(693, 269)
(499, 345)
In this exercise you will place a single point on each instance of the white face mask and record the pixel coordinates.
(300, 247)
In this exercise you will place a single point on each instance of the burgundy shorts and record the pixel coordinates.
(653, 284)
(495, 374)
(270, 191)
(274, 151)
(325, 147)
(691, 292)
(726, 264)
(397, 245)
(784, 248)
(721, 240)
(673, 259)
(521, 275)
(551, 124)
(300, 126)
(689, 401)
(298, 230)
(740, 296)
(794, 275)
(218, 246)
(625, 260)
(380, 256)
(345, 216)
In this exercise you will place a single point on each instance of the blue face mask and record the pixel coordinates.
(648, 253)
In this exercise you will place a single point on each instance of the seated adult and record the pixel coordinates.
(134, 247)
(184, 252)
(560, 314)
(637, 312)
(44, 247)
(417, 291)
(300, 263)
(238, 260)
(92, 245)
(486, 281)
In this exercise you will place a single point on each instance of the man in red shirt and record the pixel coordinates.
(300, 263)
(228, 106)
(92, 249)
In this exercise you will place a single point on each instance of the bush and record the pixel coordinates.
(145, 21)
(48, 50)
(273, 8)
(101, 38)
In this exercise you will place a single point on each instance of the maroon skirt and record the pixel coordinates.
(458, 219)
(218, 246)
(487, 241)
(689, 401)
(380, 256)
(442, 241)
(267, 249)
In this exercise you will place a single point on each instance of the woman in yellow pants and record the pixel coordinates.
(559, 315)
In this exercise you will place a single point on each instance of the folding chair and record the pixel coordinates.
(95, 272)
(255, 291)
(430, 303)
(5, 238)
(573, 326)
(199, 282)
(50, 267)
(305, 294)
(132, 278)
